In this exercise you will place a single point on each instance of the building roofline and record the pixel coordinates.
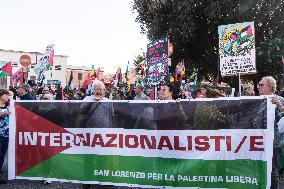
(75, 68)
(5, 50)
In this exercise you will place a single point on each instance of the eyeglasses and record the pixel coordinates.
(260, 84)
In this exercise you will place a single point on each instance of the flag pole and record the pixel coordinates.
(282, 83)
(156, 95)
(240, 88)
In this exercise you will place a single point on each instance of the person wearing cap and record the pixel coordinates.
(24, 92)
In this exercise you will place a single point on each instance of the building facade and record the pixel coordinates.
(80, 74)
(58, 71)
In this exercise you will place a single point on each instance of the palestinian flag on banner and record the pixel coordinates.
(6, 70)
(202, 147)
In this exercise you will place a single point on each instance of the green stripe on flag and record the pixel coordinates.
(4, 74)
(82, 167)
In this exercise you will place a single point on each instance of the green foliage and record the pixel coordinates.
(192, 26)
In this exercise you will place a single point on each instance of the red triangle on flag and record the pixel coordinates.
(87, 81)
(7, 68)
(28, 156)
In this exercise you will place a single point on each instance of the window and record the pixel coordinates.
(57, 67)
(79, 76)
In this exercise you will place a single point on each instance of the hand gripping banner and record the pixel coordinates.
(221, 143)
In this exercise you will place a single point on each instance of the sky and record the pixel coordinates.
(90, 32)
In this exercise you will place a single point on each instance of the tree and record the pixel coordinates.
(192, 25)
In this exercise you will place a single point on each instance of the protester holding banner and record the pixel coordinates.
(4, 125)
(267, 86)
(96, 114)
(142, 117)
(98, 92)
(279, 102)
(169, 117)
(103, 111)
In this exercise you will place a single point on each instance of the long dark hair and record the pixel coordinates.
(3, 92)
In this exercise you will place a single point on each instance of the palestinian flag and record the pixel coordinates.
(70, 82)
(87, 81)
(6, 70)
(221, 143)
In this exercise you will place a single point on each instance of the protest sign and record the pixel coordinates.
(237, 49)
(157, 63)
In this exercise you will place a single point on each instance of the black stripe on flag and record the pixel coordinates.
(201, 115)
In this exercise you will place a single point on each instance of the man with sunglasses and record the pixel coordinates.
(267, 86)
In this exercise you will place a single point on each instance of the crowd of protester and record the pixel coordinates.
(172, 91)
(138, 92)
